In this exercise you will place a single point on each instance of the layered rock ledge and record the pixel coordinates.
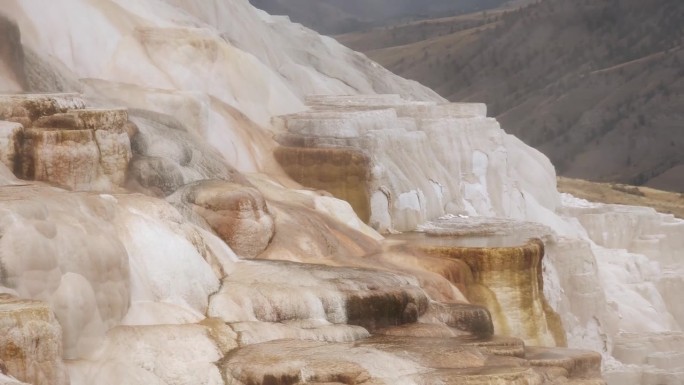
(400, 164)
(501, 270)
(54, 138)
(30, 342)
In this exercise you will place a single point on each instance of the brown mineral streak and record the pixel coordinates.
(342, 172)
(516, 267)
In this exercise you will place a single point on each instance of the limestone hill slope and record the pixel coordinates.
(596, 85)
(214, 195)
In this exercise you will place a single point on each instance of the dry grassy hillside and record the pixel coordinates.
(339, 16)
(597, 85)
(663, 201)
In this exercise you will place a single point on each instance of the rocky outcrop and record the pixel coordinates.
(266, 291)
(500, 267)
(52, 155)
(619, 283)
(394, 191)
(110, 131)
(311, 227)
(412, 340)
(237, 213)
(400, 360)
(30, 342)
(27, 108)
(508, 280)
(469, 319)
(62, 143)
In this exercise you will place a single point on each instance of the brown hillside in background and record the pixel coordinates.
(340, 16)
(597, 85)
(663, 201)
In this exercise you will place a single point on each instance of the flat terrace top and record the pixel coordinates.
(474, 241)
(461, 231)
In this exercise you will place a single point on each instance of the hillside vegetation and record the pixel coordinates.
(612, 193)
(597, 85)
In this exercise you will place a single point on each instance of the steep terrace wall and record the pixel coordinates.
(54, 139)
(424, 160)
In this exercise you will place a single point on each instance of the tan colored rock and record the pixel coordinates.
(307, 232)
(399, 360)
(10, 133)
(69, 158)
(343, 172)
(60, 120)
(31, 341)
(472, 319)
(506, 279)
(238, 214)
(577, 363)
(271, 291)
(223, 335)
(110, 119)
(314, 362)
(76, 148)
(35, 106)
(111, 135)
(115, 153)
(500, 346)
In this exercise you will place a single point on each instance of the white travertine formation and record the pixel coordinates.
(624, 297)
(59, 249)
(169, 354)
(196, 74)
(31, 341)
(91, 256)
(460, 161)
(7, 380)
(309, 292)
(47, 137)
(237, 213)
(609, 269)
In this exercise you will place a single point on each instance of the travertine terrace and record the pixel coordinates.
(402, 163)
(222, 308)
(54, 139)
(198, 192)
